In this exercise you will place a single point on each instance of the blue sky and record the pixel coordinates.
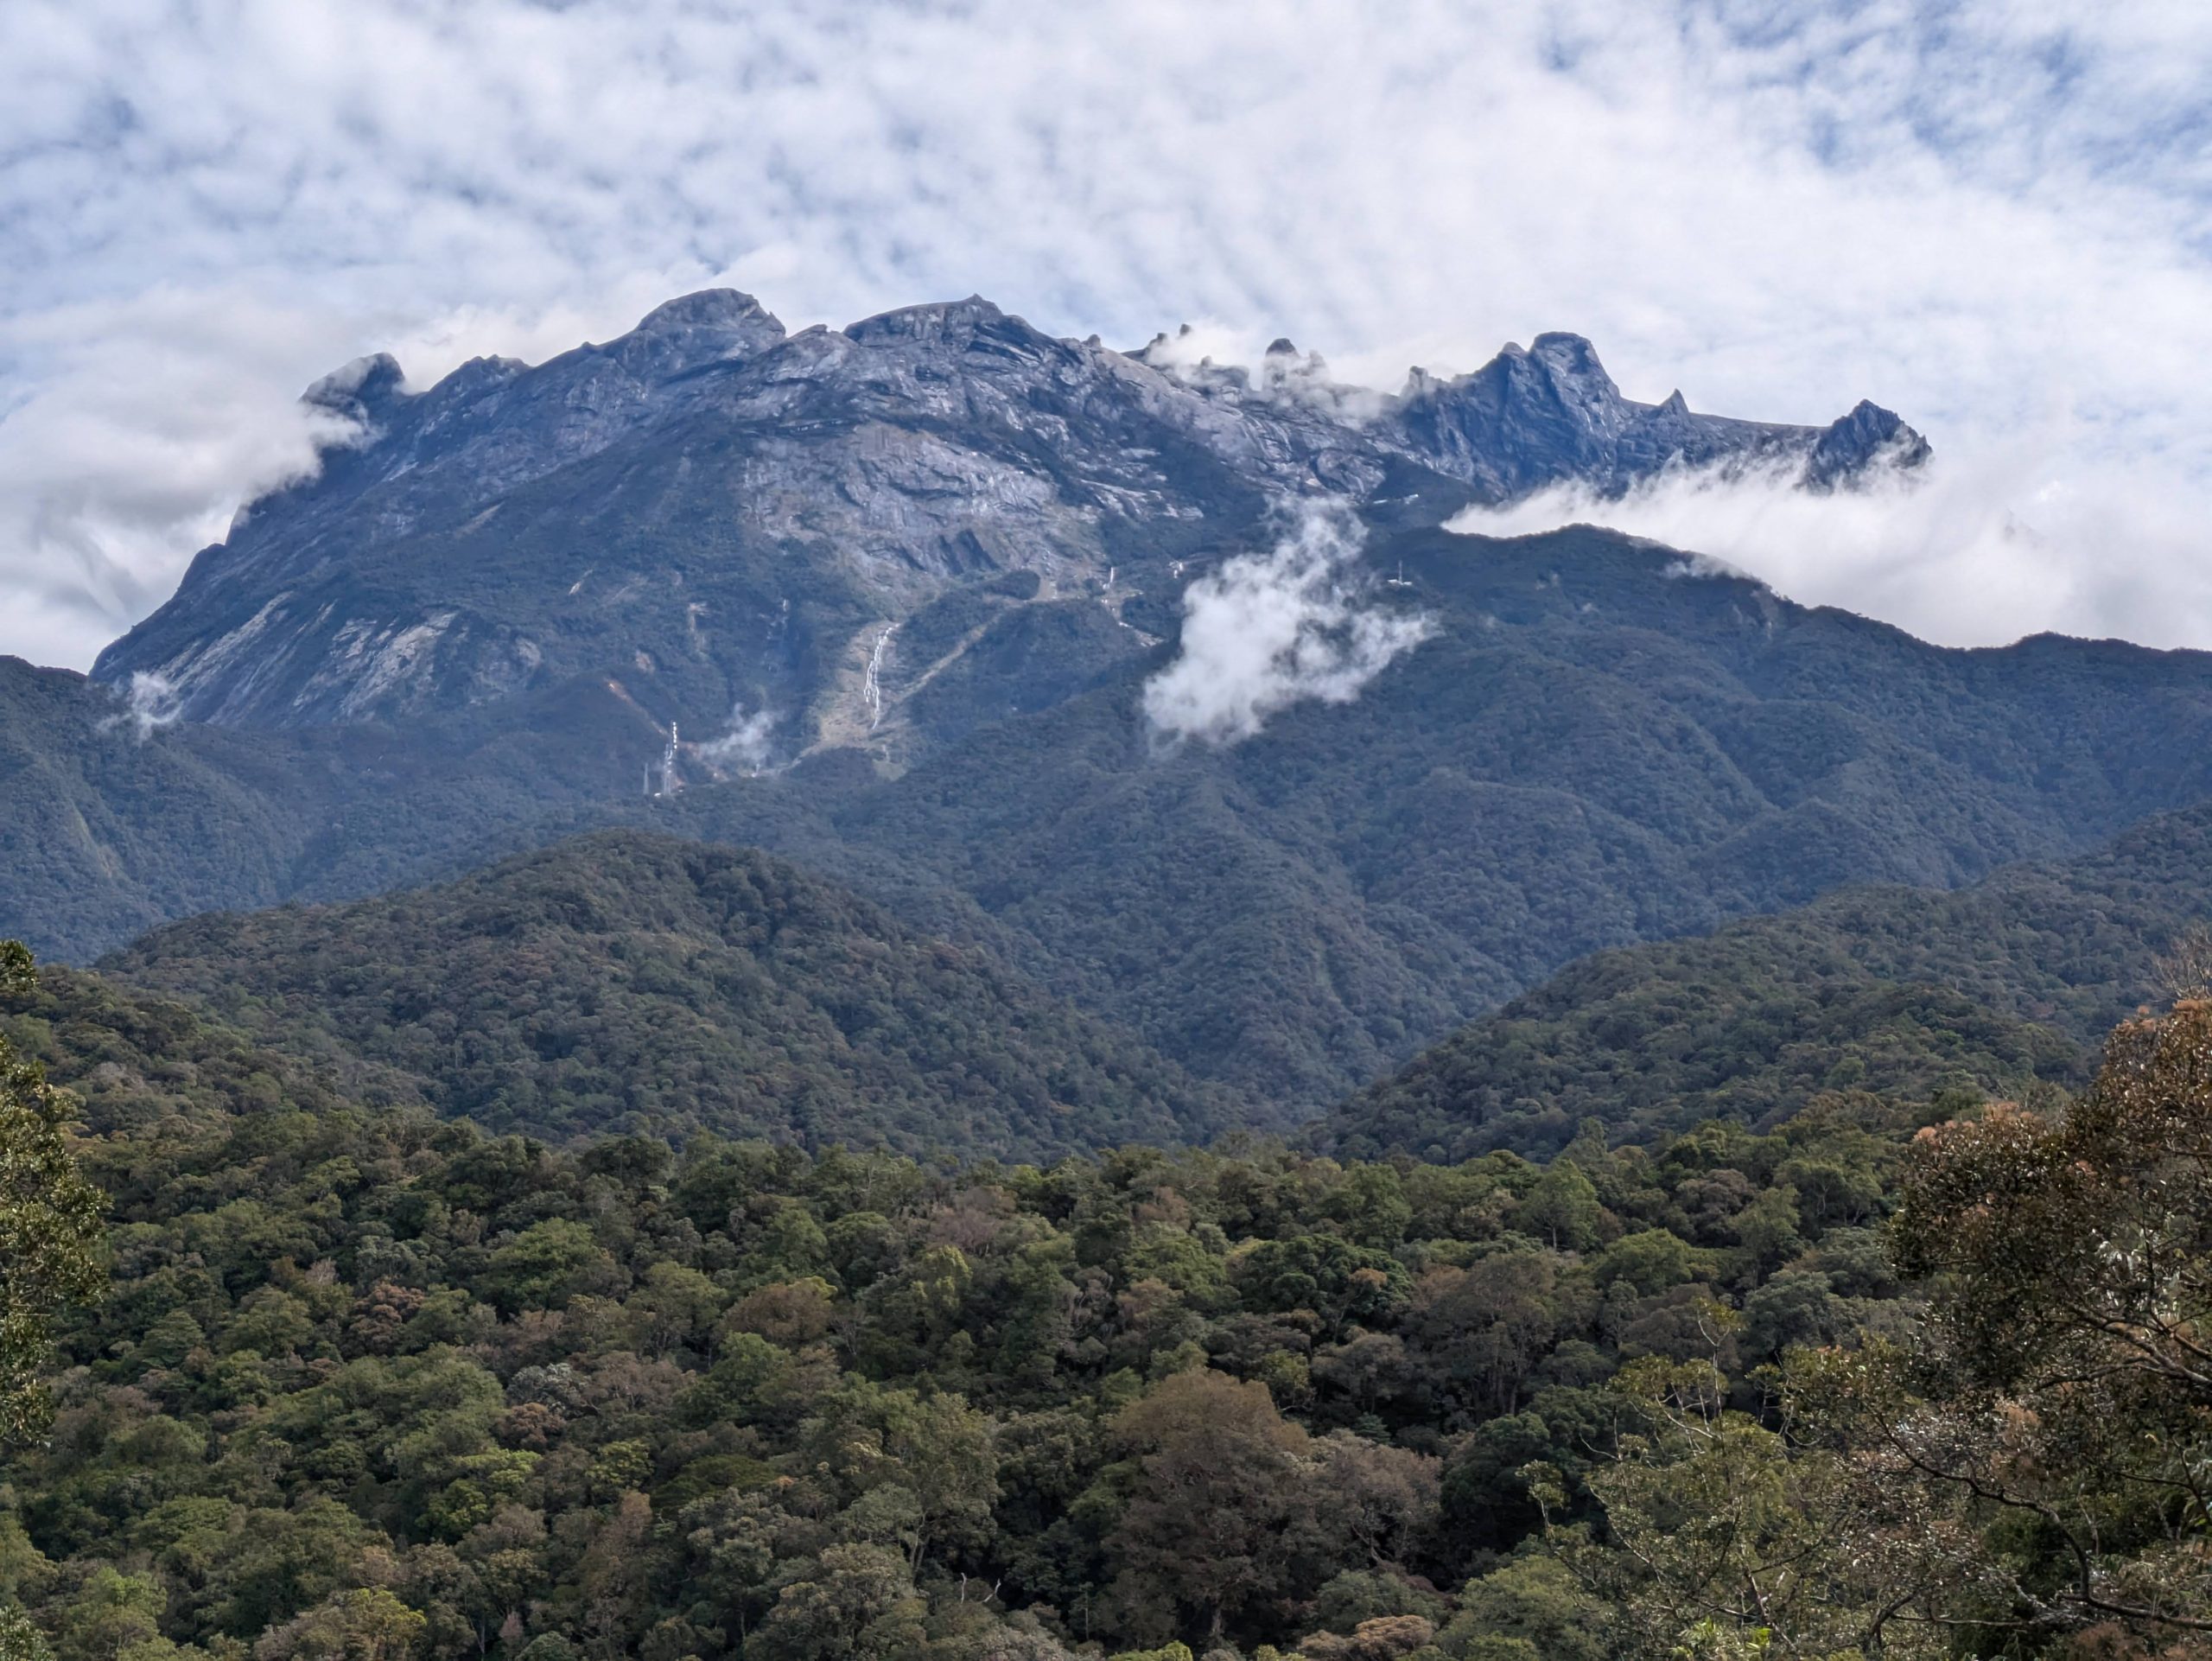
(1994, 218)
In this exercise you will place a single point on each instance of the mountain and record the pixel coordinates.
(724, 517)
(1892, 990)
(1598, 744)
(636, 984)
(884, 602)
(1595, 747)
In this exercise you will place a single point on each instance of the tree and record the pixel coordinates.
(19, 1639)
(2058, 1407)
(852, 1603)
(1219, 1474)
(1378, 1497)
(1726, 1540)
(1489, 1323)
(1562, 1209)
(111, 1615)
(366, 1624)
(1537, 1601)
(615, 1574)
(49, 1221)
(936, 1450)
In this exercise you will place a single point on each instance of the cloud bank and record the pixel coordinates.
(1991, 217)
(1980, 550)
(1267, 631)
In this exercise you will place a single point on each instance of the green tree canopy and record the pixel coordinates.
(49, 1220)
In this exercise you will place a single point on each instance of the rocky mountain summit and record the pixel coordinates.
(746, 529)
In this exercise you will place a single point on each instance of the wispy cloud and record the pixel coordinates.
(746, 744)
(149, 703)
(1296, 624)
(1978, 213)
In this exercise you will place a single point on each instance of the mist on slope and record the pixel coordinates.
(1267, 631)
(1976, 549)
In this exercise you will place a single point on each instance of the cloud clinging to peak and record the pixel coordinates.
(1994, 218)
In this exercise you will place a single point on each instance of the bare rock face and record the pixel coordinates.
(1551, 414)
(712, 514)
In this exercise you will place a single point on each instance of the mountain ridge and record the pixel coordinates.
(632, 983)
(2003, 986)
(894, 459)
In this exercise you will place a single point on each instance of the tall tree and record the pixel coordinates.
(49, 1221)
(2064, 1394)
(1217, 1494)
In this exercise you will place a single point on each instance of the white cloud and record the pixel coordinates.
(1980, 549)
(1976, 213)
(747, 744)
(1267, 631)
(150, 704)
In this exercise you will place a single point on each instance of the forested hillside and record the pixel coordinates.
(368, 1385)
(627, 982)
(1996, 987)
(1601, 743)
(368, 1382)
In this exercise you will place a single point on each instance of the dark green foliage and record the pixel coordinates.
(106, 836)
(1590, 752)
(49, 1218)
(373, 1382)
(2001, 987)
(629, 981)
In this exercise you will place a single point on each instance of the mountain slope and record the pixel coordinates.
(1591, 751)
(115, 824)
(107, 834)
(632, 983)
(722, 514)
(1595, 747)
(1894, 989)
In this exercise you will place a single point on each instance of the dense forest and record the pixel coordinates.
(628, 981)
(1897, 1376)
(2002, 987)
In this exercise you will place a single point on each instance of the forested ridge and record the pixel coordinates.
(365, 1382)
(629, 981)
(2000, 987)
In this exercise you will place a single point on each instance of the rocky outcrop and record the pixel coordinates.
(715, 512)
